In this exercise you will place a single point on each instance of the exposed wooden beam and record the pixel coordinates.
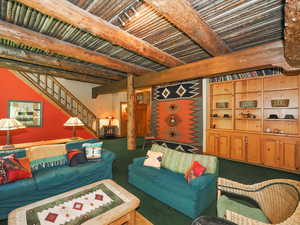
(292, 32)
(131, 129)
(26, 67)
(188, 20)
(263, 56)
(43, 60)
(70, 13)
(37, 40)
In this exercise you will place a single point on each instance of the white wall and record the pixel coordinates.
(103, 105)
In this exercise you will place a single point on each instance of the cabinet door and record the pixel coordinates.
(253, 146)
(288, 154)
(270, 152)
(212, 144)
(223, 145)
(238, 147)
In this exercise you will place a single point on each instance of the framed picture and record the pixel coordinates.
(27, 112)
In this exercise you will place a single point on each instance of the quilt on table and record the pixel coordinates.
(74, 209)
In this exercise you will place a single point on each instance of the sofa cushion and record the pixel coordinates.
(225, 203)
(18, 188)
(180, 162)
(166, 179)
(46, 179)
(78, 144)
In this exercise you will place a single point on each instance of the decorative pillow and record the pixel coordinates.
(76, 157)
(194, 171)
(93, 150)
(153, 159)
(25, 163)
(13, 169)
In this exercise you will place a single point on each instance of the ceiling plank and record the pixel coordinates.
(184, 17)
(292, 32)
(37, 40)
(72, 14)
(50, 61)
(26, 67)
(263, 56)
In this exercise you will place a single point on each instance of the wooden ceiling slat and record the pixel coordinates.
(50, 61)
(37, 40)
(183, 16)
(69, 13)
(263, 56)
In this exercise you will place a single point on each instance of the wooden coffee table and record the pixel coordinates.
(100, 203)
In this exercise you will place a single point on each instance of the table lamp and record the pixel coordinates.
(9, 124)
(73, 122)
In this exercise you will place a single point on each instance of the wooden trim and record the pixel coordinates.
(34, 39)
(70, 13)
(49, 61)
(263, 56)
(188, 20)
(131, 129)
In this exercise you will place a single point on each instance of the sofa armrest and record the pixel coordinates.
(139, 161)
(204, 180)
(108, 155)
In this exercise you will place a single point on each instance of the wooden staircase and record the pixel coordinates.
(50, 87)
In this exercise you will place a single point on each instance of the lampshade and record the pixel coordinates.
(73, 121)
(10, 124)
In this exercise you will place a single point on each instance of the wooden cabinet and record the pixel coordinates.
(238, 146)
(218, 144)
(256, 120)
(282, 152)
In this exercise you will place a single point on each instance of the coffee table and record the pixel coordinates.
(103, 202)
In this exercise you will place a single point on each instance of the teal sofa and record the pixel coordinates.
(55, 180)
(168, 184)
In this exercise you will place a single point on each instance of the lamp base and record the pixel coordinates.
(8, 147)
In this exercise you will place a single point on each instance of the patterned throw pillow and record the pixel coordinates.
(93, 150)
(153, 159)
(13, 170)
(76, 157)
(194, 171)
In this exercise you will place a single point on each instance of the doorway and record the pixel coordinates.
(142, 118)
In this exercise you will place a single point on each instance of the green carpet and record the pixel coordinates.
(161, 214)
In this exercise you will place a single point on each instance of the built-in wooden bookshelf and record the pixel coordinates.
(256, 120)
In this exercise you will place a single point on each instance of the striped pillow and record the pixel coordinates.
(93, 150)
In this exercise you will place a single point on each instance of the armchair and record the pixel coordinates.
(278, 200)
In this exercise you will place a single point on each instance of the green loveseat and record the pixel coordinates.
(55, 180)
(168, 184)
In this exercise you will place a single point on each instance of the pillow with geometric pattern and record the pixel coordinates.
(93, 150)
(153, 159)
(195, 170)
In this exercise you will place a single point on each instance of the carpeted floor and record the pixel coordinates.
(161, 214)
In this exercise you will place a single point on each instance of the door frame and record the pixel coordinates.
(121, 127)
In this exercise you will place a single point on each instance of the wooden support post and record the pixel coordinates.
(131, 142)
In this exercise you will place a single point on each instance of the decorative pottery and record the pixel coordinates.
(280, 102)
(248, 104)
(221, 105)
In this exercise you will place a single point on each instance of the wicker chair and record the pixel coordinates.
(278, 199)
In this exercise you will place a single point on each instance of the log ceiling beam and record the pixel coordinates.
(34, 39)
(49, 61)
(26, 67)
(263, 56)
(292, 32)
(65, 11)
(188, 20)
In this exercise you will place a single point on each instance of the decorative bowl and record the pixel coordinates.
(280, 102)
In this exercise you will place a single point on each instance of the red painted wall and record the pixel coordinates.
(12, 88)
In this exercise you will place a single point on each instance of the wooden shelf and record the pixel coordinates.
(247, 92)
(221, 118)
(247, 119)
(247, 108)
(280, 89)
(222, 109)
(293, 120)
(281, 108)
(222, 94)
